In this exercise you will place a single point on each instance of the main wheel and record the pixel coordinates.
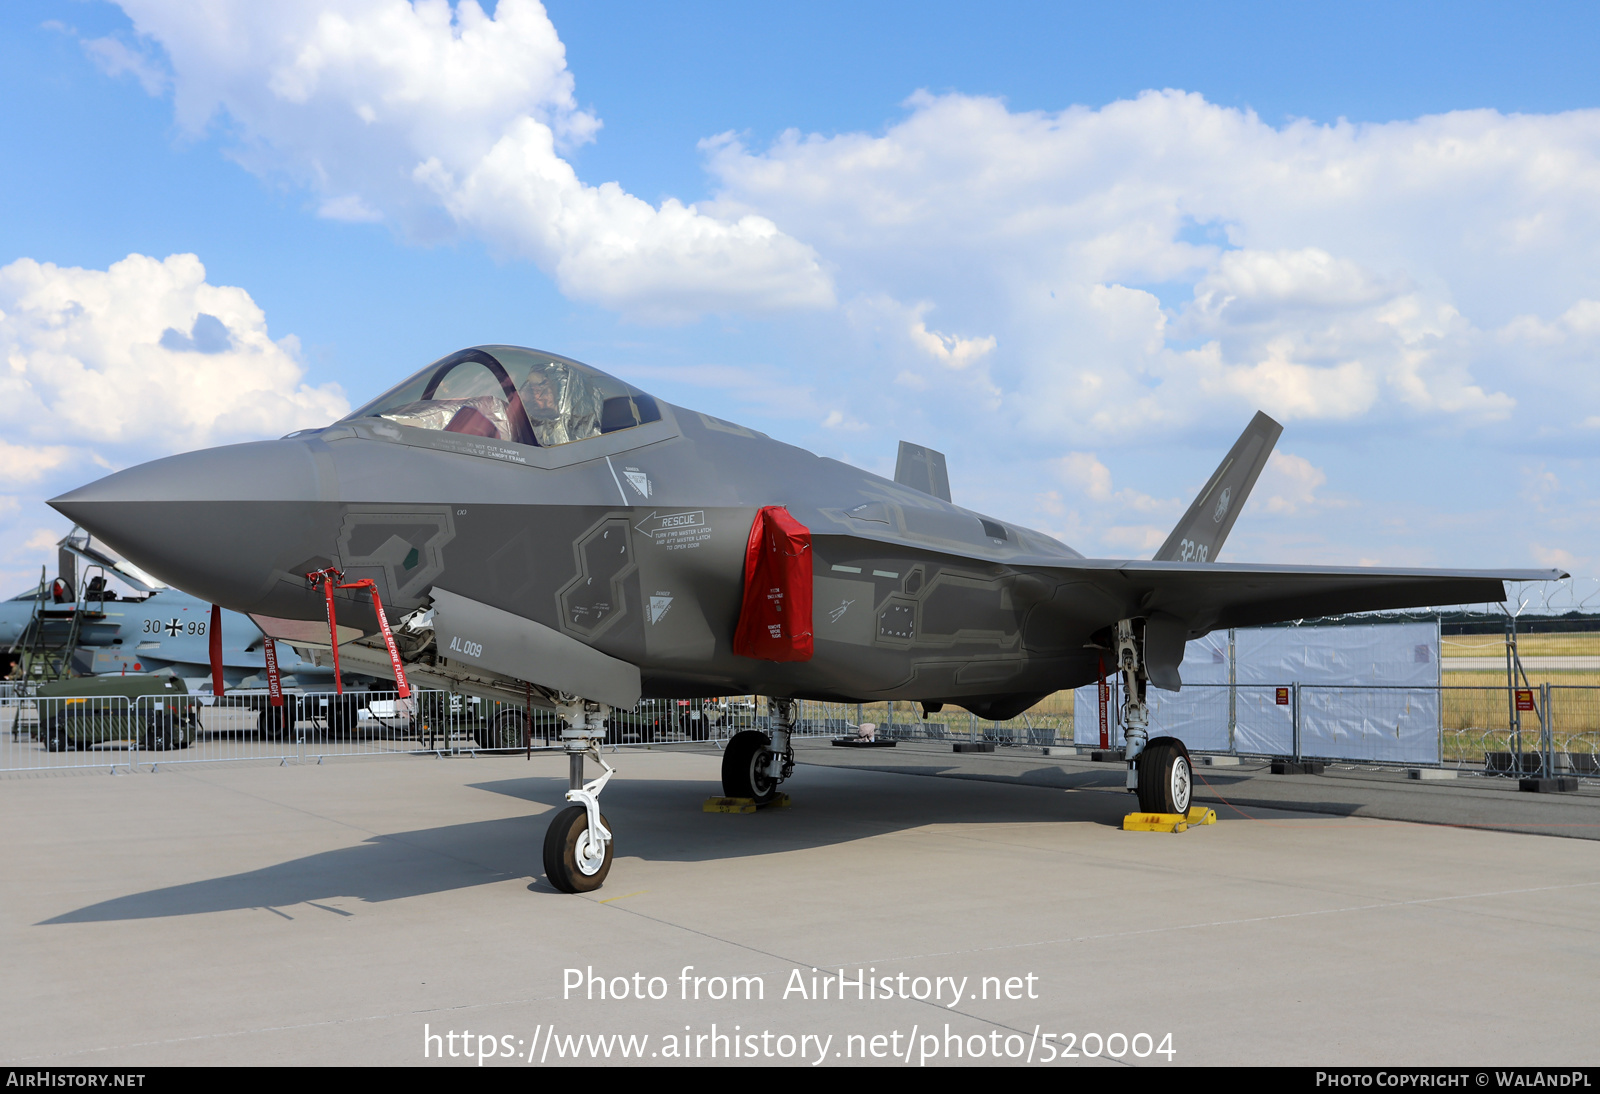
(1166, 781)
(274, 721)
(744, 767)
(55, 735)
(504, 730)
(157, 735)
(570, 862)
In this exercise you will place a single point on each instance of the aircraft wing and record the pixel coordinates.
(1217, 595)
(1184, 600)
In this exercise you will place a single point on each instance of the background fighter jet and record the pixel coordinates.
(536, 527)
(79, 623)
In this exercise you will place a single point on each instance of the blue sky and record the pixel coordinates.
(1073, 246)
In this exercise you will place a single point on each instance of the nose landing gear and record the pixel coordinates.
(576, 861)
(578, 844)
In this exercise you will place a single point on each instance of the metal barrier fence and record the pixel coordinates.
(1467, 727)
(1471, 728)
(149, 731)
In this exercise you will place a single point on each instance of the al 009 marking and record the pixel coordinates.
(1190, 551)
(1105, 1046)
(469, 649)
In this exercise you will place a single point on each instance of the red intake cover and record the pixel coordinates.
(775, 616)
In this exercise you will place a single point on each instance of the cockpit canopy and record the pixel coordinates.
(512, 394)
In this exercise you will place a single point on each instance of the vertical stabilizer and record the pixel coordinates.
(1199, 535)
(922, 469)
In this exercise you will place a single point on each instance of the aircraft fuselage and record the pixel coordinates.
(632, 542)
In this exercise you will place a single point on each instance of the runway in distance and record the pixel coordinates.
(537, 528)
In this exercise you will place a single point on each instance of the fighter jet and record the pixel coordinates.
(152, 629)
(541, 531)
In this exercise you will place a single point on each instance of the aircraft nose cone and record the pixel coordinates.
(222, 524)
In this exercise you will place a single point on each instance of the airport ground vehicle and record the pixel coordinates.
(152, 713)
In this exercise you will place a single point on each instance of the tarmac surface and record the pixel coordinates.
(372, 910)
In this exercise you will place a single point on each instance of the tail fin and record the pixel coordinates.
(922, 469)
(1199, 535)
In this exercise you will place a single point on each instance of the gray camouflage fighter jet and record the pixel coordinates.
(537, 528)
(155, 629)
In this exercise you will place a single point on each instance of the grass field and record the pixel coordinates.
(1582, 644)
(1475, 716)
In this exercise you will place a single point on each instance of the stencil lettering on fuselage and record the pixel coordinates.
(639, 481)
(675, 623)
(675, 531)
(593, 600)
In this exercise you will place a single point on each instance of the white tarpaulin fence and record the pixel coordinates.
(1359, 692)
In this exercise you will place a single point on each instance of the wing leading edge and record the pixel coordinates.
(1185, 600)
(1215, 595)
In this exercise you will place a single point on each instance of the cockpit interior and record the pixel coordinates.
(518, 395)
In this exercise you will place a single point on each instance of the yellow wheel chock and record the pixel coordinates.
(743, 805)
(1168, 822)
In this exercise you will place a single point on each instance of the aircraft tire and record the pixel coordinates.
(55, 736)
(566, 868)
(1166, 777)
(272, 720)
(743, 762)
(506, 731)
(163, 731)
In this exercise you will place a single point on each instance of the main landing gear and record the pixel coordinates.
(1159, 770)
(755, 763)
(578, 843)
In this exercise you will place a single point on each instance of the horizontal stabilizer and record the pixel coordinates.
(922, 469)
(1199, 535)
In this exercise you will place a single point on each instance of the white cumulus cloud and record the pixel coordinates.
(1289, 484)
(1166, 261)
(143, 358)
(441, 119)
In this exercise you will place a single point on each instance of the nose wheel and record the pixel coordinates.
(578, 843)
(574, 861)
